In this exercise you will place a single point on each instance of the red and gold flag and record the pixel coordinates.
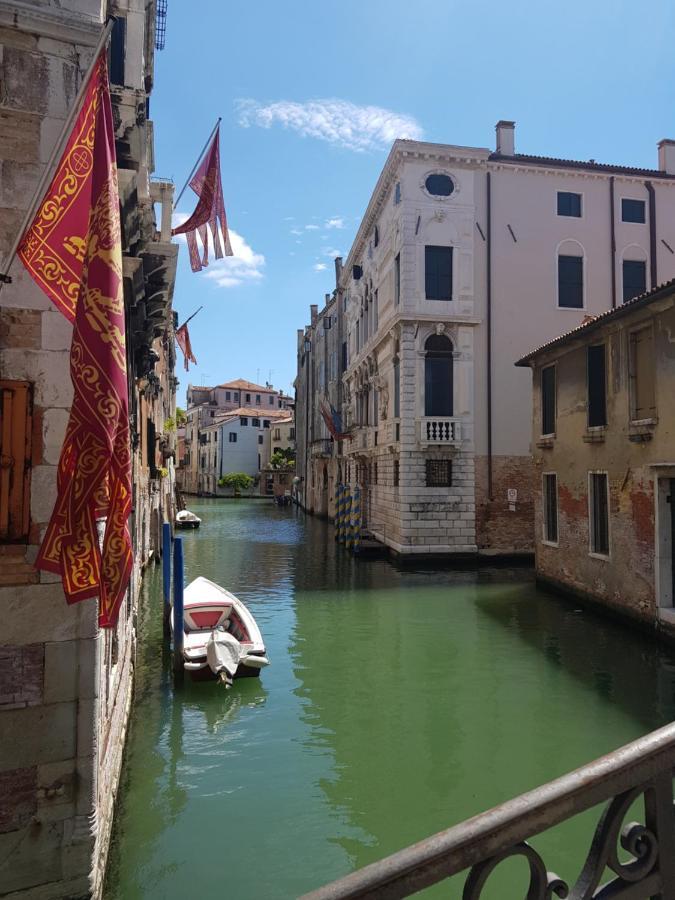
(210, 210)
(183, 341)
(73, 251)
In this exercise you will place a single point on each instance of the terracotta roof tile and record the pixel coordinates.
(587, 165)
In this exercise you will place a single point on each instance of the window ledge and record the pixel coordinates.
(641, 430)
(550, 543)
(546, 442)
(603, 556)
(595, 434)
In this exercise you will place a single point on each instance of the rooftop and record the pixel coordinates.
(590, 324)
(587, 165)
(243, 385)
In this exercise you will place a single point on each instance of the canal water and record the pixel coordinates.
(397, 703)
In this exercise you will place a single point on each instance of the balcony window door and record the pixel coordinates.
(438, 380)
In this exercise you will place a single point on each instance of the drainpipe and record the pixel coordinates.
(489, 335)
(652, 234)
(612, 240)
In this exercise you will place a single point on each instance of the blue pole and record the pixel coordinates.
(166, 577)
(178, 614)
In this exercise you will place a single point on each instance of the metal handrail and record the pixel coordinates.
(643, 767)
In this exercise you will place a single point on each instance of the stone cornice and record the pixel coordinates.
(70, 28)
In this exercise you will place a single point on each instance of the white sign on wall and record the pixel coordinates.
(511, 495)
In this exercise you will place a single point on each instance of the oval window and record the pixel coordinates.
(439, 185)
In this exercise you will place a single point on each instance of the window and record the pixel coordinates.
(15, 450)
(243, 420)
(291, 434)
(397, 193)
(236, 397)
(397, 279)
(375, 474)
(438, 273)
(260, 439)
(151, 449)
(632, 210)
(397, 388)
(439, 473)
(117, 50)
(438, 388)
(255, 423)
(376, 312)
(232, 436)
(596, 379)
(569, 204)
(276, 434)
(634, 278)
(248, 398)
(571, 282)
(641, 374)
(227, 396)
(551, 508)
(271, 400)
(548, 400)
(257, 399)
(376, 236)
(439, 185)
(266, 423)
(599, 513)
(345, 356)
(397, 473)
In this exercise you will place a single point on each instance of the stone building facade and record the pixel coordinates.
(65, 686)
(465, 258)
(604, 460)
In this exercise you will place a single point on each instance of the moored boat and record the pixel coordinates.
(220, 633)
(187, 519)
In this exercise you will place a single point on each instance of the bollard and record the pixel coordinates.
(338, 511)
(356, 520)
(178, 620)
(346, 518)
(166, 578)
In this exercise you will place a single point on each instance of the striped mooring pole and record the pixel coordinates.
(338, 511)
(356, 520)
(166, 578)
(346, 518)
(178, 614)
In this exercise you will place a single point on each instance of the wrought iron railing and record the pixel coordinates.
(643, 769)
(434, 430)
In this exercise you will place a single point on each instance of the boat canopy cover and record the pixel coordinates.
(223, 652)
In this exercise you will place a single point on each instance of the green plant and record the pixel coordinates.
(282, 459)
(170, 424)
(181, 417)
(240, 481)
(163, 473)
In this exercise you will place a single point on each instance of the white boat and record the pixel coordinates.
(187, 519)
(220, 633)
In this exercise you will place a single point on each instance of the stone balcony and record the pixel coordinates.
(441, 431)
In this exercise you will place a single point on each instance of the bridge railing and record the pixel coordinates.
(642, 769)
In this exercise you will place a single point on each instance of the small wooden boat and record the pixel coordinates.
(187, 519)
(220, 633)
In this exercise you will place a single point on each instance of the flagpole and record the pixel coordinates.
(199, 159)
(55, 154)
(190, 318)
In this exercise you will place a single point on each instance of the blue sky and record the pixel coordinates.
(311, 96)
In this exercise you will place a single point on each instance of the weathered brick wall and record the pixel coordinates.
(499, 527)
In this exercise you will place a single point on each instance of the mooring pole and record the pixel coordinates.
(178, 616)
(166, 578)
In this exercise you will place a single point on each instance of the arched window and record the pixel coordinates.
(438, 376)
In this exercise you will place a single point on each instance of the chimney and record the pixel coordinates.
(667, 156)
(506, 137)
(301, 336)
(314, 313)
(338, 270)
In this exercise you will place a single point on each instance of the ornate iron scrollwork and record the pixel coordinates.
(543, 885)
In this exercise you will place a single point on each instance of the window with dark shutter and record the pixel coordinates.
(551, 508)
(599, 514)
(118, 50)
(438, 376)
(634, 278)
(438, 273)
(569, 204)
(571, 282)
(548, 400)
(15, 459)
(397, 388)
(439, 473)
(151, 448)
(233, 437)
(596, 379)
(632, 210)
(396, 473)
(397, 279)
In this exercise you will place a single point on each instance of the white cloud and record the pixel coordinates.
(312, 228)
(335, 222)
(289, 218)
(319, 267)
(245, 266)
(336, 121)
(296, 231)
(332, 252)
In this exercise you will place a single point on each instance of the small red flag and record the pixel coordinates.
(210, 210)
(73, 250)
(183, 341)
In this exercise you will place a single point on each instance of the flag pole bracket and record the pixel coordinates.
(5, 279)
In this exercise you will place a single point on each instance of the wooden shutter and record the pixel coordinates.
(15, 458)
(642, 358)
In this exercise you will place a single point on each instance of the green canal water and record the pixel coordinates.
(398, 703)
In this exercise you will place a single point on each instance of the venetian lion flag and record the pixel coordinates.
(210, 210)
(183, 341)
(73, 251)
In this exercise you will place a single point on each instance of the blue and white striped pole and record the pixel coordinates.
(356, 520)
(346, 518)
(338, 511)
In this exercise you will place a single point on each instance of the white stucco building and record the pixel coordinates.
(464, 260)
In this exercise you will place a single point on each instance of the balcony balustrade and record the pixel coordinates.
(440, 430)
(641, 855)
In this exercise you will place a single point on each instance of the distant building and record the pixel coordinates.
(604, 459)
(208, 405)
(466, 258)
